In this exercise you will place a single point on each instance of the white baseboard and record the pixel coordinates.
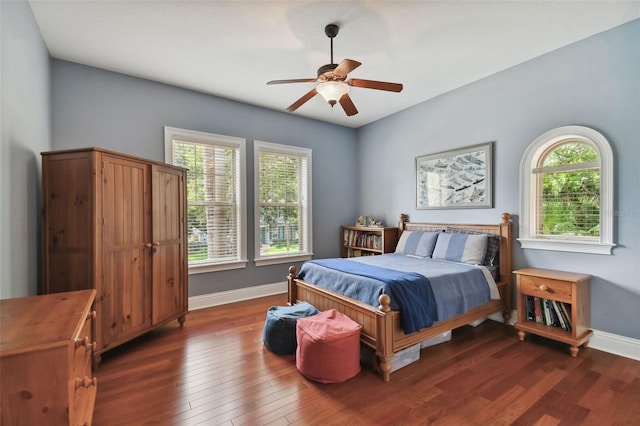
(615, 344)
(601, 340)
(231, 296)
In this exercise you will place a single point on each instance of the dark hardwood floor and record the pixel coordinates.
(216, 371)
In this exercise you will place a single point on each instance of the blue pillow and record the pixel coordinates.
(491, 257)
(417, 243)
(465, 248)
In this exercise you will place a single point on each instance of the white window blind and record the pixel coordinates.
(215, 194)
(568, 192)
(283, 203)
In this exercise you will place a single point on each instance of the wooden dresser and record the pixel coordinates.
(46, 344)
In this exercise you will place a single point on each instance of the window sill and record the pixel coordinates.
(570, 246)
(264, 261)
(214, 267)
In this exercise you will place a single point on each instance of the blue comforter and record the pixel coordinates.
(423, 290)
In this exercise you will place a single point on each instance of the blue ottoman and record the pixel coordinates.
(279, 333)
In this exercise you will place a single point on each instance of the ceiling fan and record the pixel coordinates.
(333, 84)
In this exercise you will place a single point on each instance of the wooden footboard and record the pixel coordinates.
(381, 327)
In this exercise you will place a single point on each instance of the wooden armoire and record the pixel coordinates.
(116, 223)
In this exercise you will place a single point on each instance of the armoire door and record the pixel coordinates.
(126, 290)
(168, 252)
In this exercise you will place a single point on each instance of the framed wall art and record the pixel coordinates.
(460, 178)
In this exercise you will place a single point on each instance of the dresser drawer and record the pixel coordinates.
(545, 287)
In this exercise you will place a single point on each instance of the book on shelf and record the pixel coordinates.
(566, 315)
(364, 239)
(545, 312)
(531, 309)
(548, 312)
(537, 309)
(553, 317)
(558, 312)
(359, 253)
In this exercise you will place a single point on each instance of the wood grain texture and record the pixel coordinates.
(116, 223)
(45, 359)
(216, 370)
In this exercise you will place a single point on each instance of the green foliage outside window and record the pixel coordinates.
(210, 199)
(280, 203)
(571, 196)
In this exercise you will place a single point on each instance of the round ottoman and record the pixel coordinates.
(279, 332)
(328, 347)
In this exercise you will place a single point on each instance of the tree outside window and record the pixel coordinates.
(570, 196)
(215, 197)
(282, 201)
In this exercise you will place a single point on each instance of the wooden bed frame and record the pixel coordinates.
(381, 327)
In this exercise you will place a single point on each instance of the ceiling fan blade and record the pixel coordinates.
(296, 80)
(297, 104)
(345, 67)
(378, 85)
(347, 105)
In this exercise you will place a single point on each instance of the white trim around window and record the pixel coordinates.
(237, 204)
(528, 238)
(304, 205)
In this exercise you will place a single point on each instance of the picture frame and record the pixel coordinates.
(455, 179)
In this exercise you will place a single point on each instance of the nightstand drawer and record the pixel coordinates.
(545, 288)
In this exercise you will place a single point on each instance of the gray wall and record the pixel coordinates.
(93, 107)
(25, 132)
(595, 83)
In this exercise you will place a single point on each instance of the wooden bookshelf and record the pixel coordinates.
(569, 289)
(367, 240)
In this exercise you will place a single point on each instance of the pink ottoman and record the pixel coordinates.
(328, 347)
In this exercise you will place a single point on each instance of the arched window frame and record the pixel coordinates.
(529, 187)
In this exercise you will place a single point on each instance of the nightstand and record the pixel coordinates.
(555, 305)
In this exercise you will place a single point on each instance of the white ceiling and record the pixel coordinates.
(232, 48)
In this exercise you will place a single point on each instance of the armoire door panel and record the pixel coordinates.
(167, 295)
(169, 298)
(167, 212)
(126, 233)
(126, 205)
(126, 307)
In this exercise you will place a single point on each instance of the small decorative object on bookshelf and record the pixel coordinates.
(363, 240)
(368, 221)
(554, 304)
(374, 221)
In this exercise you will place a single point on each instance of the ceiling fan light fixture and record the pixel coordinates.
(332, 91)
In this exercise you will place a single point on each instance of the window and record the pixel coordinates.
(567, 192)
(282, 202)
(216, 211)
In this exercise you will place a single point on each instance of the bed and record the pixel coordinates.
(382, 326)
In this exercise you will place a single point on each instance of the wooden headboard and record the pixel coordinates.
(503, 229)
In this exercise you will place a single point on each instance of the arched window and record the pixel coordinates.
(566, 190)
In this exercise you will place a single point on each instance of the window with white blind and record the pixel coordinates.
(282, 203)
(216, 211)
(567, 192)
